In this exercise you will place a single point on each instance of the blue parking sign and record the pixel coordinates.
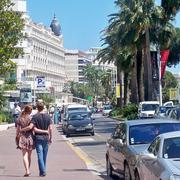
(40, 82)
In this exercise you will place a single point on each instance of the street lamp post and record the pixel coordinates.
(160, 79)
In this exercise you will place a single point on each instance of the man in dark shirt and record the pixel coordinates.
(42, 121)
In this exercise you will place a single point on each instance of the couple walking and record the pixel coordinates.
(34, 133)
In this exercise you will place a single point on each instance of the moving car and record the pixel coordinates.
(106, 109)
(78, 123)
(75, 107)
(129, 139)
(161, 160)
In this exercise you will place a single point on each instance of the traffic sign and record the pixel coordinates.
(40, 82)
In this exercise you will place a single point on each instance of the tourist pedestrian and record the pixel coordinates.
(42, 121)
(25, 138)
(16, 112)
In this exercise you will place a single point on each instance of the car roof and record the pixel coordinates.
(149, 102)
(149, 121)
(76, 105)
(77, 112)
(170, 135)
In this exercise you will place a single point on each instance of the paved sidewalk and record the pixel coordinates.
(62, 164)
(4, 127)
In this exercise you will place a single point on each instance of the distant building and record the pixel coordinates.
(92, 54)
(75, 62)
(44, 54)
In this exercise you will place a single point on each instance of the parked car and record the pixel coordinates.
(106, 109)
(161, 160)
(129, 139)
(175, 113)
(161, 111)
(78, 123)
(147, 109)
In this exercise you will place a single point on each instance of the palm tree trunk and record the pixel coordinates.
(140, 71)
(126, 87)
(134, 86)
(147, 69)
(119, 82)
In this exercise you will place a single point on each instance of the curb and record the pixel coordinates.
(4, 127)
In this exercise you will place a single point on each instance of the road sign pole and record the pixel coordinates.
(160, 79)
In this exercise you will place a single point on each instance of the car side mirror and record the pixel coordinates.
(149, 156)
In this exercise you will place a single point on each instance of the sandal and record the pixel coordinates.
(26, 175)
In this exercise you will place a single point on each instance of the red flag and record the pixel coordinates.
(164, 59)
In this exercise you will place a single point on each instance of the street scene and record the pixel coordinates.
(80, 155)
(90, 90)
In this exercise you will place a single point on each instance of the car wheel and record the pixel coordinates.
(137, 176)
(67, 135)
(92, 133)
(108, 168)
(127, 174)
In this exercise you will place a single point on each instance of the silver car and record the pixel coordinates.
(129, 139)
(161, 160)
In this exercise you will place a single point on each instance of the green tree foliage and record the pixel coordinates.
(171, 8)
(174, 57)
(127, 35)
(47, 99)
(169, 81)
(11, 26)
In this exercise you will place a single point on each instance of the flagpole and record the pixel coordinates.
(160, 79)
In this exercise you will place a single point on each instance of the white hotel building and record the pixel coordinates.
(44, 54)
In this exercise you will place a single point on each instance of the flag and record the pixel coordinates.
(164, 59)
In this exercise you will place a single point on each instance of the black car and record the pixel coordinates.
(78, 123)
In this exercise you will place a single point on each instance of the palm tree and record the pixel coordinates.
(171, 8)
(93, 77)
(105, 78)
(109, 54)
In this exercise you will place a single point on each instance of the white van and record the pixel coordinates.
(147, 109)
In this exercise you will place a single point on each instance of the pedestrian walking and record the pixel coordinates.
(42, 121)
(16, 112)
(25, 138)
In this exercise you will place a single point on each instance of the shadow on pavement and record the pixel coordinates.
(94, 143)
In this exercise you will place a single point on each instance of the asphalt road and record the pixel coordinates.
(95, 146)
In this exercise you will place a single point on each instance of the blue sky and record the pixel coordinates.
(81, 20)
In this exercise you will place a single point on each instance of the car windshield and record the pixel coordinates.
(73, 117)
(171, 148)
(149, 107)
(145, 133)
(162, 109)
(107, 107)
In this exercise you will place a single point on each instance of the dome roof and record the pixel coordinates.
(55, 26)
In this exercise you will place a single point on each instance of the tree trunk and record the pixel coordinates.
(119, 81)
(147, 69)
(140, 71)
(126, 87)
(134, 86)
